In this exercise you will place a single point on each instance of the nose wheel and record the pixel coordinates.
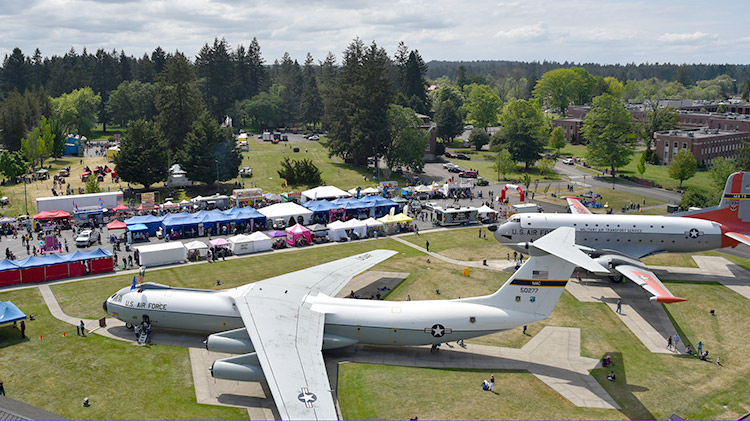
(129, 326)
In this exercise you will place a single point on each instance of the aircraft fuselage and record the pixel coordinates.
(634, 235)
(365, 321)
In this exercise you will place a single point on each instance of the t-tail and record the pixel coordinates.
(538, 284)
(733, 212)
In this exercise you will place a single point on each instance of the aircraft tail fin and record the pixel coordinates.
(733, 211)
(537, 285)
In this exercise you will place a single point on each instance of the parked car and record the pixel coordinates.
(314, 137)
(463, 156)
(87, 238)
(591, 195)
(449, 155)
(481, 181)
(468, 174)
(246, 172)
(455, 169)
(568, 161)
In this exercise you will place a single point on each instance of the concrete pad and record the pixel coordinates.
(251, 395)
(367, 284)
(710, 269)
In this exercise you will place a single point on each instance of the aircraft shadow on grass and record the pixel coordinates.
(630, 405)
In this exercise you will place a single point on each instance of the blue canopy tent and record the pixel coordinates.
(9, 313)
(355, 208)
(381, 204)
(180, 222)
(214, 219)
(81, 255)
(151, 222)
(247, 215)
(137, 227)
(321, 210)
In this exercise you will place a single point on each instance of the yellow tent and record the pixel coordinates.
(395, 219)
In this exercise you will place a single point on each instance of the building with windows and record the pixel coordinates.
(705, 144)
(726, 121)
(572, 128)
(426, 124)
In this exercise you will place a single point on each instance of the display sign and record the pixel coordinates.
(389, 184)
(147, 200)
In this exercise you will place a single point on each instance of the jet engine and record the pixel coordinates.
(235, 341)
(244, 368)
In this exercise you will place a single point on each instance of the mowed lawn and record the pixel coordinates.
(122, 381)
(462, 244)
(649, 386)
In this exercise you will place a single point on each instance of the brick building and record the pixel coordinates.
(705, 144)
(571, 127)
(726, 122)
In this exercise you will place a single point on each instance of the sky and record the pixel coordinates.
(590, 31)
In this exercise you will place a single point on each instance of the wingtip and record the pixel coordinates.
(670, 299)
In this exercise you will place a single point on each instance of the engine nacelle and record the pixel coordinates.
(336, 341)
(235, 341)
(244, 368)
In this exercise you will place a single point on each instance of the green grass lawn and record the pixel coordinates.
(486, 170)
(122, 381)
(462, 244)
(615, 198)
(112, 129)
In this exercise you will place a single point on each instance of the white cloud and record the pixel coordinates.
(686, 38)
(535, 32)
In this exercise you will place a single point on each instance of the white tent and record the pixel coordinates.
(373, 223)
(324, 192)
(241, 244)
(261, 242)
(357, 226)
(198, 247)
(285, 211)
(162, 254)
(336, 231)
(484, 210)
(370, 190)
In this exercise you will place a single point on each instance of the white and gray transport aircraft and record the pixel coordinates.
(618, 242)
(278, 327)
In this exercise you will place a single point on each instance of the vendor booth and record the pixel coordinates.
(291, 213)
(298, 235)
(59, 217)
(151, 222)
(196, 250)
(247, 219)
(10, 273)
(138, 232)
(396, 223)
(337, 231)
(454, 216)
(374, 227)
(240, 244)
(261, 242)
(486, 214)
(9, 313)
(161, 254)
(324, 192)
(46, 268)
(357, 229)
(380, 205)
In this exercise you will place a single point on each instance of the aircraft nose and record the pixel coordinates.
(104, 306)
(492, 228)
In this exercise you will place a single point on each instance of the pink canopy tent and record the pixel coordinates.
(218, 242)
(140, 207)
(295, 233)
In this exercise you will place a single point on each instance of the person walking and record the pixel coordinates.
(2, 388)
(83, 329)
(669, 342)
(23, 329)
(700, 347)
(619, 306)
(427, 245)
(675, 340)
(492, 383)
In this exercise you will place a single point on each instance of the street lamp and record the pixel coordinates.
(217, 175)
(25, 198)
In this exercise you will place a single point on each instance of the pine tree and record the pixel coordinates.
(178, 102)
(209, 151)
(142, 158)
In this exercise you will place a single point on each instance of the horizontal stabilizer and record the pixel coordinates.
(742, 238)
(561, 243)
(576, 206)
(648, 281)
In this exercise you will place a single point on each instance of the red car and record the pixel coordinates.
(449, 155)
(468, 174)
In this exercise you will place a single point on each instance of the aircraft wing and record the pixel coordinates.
(648, 281)
(288, 335)
(576, 206)
(742, 238)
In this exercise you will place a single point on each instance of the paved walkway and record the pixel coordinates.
(710, 269)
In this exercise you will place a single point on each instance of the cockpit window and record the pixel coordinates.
(515, 219)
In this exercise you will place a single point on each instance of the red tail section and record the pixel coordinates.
(733, 212)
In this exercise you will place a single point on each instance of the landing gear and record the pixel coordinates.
(129, 326)
(616, 278)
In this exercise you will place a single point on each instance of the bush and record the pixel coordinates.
(697, 197)
(299, 172)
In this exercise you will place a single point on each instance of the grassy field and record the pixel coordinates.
(462, 244)
(616, 199)
(649, 386)
(486, 170)
(122, 381)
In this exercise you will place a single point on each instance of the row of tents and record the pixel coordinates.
(55, 266)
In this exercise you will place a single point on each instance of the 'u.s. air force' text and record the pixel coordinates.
(541, 231)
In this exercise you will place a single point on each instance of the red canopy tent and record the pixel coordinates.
(116, 225)
(52, 215)
(140, 207)
(119, 208)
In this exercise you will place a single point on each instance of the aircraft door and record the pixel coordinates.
(395, 336)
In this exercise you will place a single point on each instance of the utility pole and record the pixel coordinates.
(25, 198)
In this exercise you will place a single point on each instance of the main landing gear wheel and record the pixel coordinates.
(129, 326)
(616, 278)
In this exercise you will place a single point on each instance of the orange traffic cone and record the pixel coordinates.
(40, 336)
(63, 333)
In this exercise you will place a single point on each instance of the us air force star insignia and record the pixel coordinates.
(693, 233)
(307, 398)
(437, 330)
